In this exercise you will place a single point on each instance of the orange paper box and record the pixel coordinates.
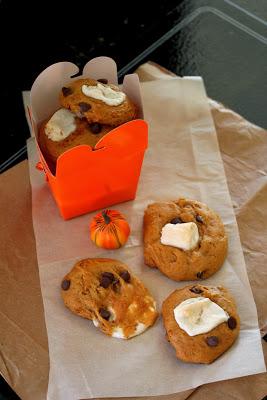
(87, 179)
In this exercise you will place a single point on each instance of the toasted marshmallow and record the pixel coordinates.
(104, 93)
(118, 331)
(184, 236)
(60, 125)
(199, 315)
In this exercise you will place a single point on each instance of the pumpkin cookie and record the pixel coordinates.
(98, 102)
(184, 239)
(201, 322)
(64, 130)
(106, 292)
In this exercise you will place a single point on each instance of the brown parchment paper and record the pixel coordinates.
(22, 327)
(183, 159)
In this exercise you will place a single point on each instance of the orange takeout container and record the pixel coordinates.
(88, 179)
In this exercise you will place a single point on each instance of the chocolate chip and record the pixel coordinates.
(65, 284)
(231, 323)
(125, 276)
(199, 219)
(212, 341)
(102, 80)
(109, 275)
(196, 290)
(105, 314)
(66, 91)
(105, 282)
(95, 128)
(84, 106)
(106, 279)
(200, 275)
(176, 220)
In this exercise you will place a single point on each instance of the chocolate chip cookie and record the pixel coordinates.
(53, 145)
(201, 261)
(109, 106)
(204, 347)
(108, 293)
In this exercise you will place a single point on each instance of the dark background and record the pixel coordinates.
(231, 60)
(230, 56)
(36, 35)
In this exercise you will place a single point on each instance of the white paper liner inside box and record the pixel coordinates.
(183, 159)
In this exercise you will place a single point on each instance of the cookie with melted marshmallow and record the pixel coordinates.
(201, 322)
(63, 131)
(184, 239)
(108, 293)
(98, 101)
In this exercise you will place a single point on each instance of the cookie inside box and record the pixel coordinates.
(85, 178)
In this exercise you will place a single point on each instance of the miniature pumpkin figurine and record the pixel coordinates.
(109, 229)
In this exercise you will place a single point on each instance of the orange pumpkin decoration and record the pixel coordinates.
(109, 229)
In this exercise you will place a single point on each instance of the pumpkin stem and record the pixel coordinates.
(106, 217)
